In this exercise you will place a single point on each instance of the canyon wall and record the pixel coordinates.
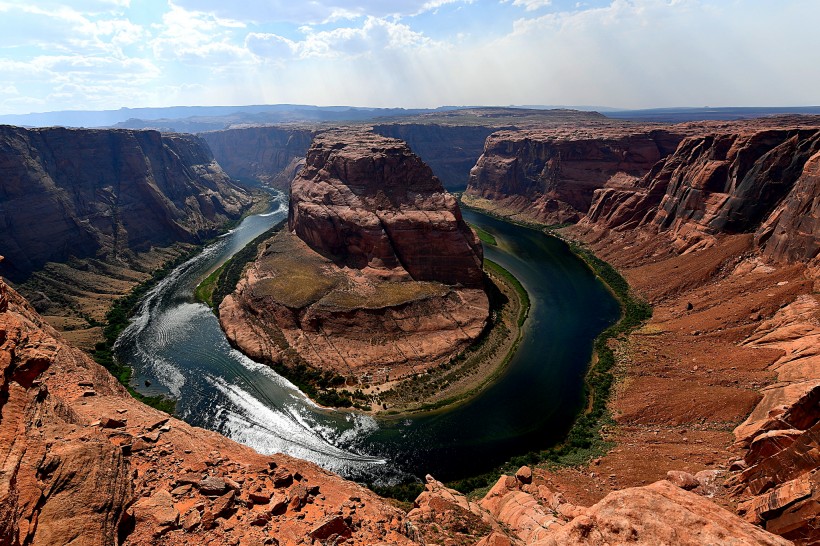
(268, 154)
(74, 193)
(725, 183)
(371, 203)
(85, 464)
(723, 236)
(549, 176)
(450, 150)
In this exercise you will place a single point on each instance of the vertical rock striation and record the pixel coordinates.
(369, 202)
(104, 193)
(549, 176)
(744, 182)
(378, 276)
(451, 151)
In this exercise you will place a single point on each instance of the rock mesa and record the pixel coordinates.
(377, 276)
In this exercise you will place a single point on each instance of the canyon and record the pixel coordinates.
(715, 410)
(88, 214)
(377, 276)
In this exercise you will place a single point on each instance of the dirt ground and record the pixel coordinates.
(684, 382)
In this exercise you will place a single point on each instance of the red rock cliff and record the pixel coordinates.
(85, 464)
(450, 150)
(99, 193)
(737, 182)
(369, 202)
(550, 175)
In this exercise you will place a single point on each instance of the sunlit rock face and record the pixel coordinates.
(378, 276)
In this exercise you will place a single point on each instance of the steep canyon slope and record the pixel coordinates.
(84, 463)
(87, 214)
(377, 275)
(106, 194)
(723, 238)
(270, 155)
(549, 175)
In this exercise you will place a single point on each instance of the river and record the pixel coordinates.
(176, 344)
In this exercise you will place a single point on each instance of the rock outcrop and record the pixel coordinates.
(86, 464)
(779, 482)
(735, 182)
(729, 222)
(550, 175)
(370, 203)
(378, 276)
(515, 513)
(105, 194)
(269, 155)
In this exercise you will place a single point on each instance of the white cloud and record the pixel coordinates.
(630, 53)
(371, 39)
(530, 5)
(315, 11)
(192, 35)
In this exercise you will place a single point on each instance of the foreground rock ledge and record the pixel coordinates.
(106, 469)
(378, 276)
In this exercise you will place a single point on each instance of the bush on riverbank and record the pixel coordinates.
(584, 440)
(118, 318)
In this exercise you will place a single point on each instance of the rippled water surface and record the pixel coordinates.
(177, 344)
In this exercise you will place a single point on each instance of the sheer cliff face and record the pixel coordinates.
(746, 182)
(371, 203)
(450, 151)
(270, 155)
(550, 176)
(100, 193)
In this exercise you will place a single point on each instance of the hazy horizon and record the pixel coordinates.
(618, 54)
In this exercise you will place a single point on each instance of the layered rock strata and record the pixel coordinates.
(451, 151)
(725, 183)
(550, 175)
(524, 510)
(85, 464)
(105, 194)
(268, 155)
(723, 236)
(377, 277)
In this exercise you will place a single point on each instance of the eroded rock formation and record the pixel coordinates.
(725, 183)
(378, 276)
(450, 150)
(550, 175)
(105, 194)
(723, 236)
(525, 512)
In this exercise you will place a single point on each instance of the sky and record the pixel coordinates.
(107, 54)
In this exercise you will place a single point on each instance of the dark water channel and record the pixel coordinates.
(177, 344)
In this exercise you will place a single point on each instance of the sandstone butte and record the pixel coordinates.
(377, 276)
